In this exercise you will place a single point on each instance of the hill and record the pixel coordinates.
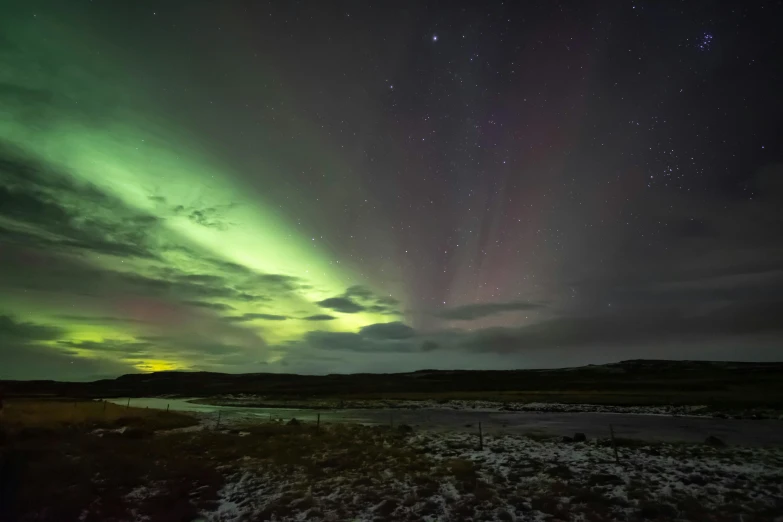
(627, 382)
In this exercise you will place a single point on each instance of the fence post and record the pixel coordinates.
(217, 426)
(104, 405)
(481, 438)
(614, 444)
(318, 423)
(167, 407)
(128, 405)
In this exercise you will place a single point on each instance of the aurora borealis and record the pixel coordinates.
(315, 188)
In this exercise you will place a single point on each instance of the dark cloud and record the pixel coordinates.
(319, 317)
(129, 349)
(360, 292)
(43, 207)
(155, 346)
(253, 317)
(251, 298)
(206, 216)
(357, 342)
(630, 330)
(357, 299)
(395, 330)
(625, 335)
(97, 319)
(341, 304)
(25, 354)
(28, 361)
(221, 307)
(210, 217)
(393, 337)
(19, 331)
(203, 279)
(250, 280)
(277, 280)
(32, 269)
(478, 311)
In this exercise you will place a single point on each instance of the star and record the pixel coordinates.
(434, 37)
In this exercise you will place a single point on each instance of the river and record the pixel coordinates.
(595, 425)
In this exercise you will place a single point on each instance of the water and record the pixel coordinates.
(594, 425)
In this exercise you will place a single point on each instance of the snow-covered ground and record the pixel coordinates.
(488, 406)
(552, 407)
(444, 476)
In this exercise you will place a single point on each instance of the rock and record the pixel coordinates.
(404, 428)
(386, 507)
(713, 441)
(566, 438)
(580, 437)
(293, 422)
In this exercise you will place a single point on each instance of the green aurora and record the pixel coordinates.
(317, 188)
(216, 247)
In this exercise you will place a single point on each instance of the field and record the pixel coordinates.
(58, 414)
(81, 462)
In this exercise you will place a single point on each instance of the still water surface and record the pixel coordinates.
(594, 425)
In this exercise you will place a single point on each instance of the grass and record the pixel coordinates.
(66, 470)
(53, 414)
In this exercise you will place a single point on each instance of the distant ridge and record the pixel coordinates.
(651, 381)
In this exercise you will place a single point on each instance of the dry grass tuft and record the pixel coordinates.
(54, 414)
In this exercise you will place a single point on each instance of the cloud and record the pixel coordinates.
(126, 349)
(97, 319)
(202, 279)
(157, 346)
(210, 217)
(630, 330)
(40, 206)
(319, 317)
(206, 216)
(357, 299)
(478, 311)
(341, 304)
(25, 362)
(395, 330)
(212, 306)
(393, 337)
(24, 354)
(13, 330)
(253, 317)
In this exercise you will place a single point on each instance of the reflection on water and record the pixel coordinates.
(594, 425)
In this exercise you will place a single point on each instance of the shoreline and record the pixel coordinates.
(698, 411)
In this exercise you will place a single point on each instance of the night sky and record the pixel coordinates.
(321, 187)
